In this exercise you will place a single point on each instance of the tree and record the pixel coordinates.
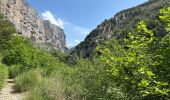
(132, 64)
(6, 31)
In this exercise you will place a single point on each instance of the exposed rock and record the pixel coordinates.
(54, 35)
(118, 25)
(29, 24)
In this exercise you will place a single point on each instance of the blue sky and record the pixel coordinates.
(79, 17)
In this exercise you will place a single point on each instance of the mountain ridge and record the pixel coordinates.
(118, 25)
(29, 24)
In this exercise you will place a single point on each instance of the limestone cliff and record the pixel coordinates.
(29, 24)
(119, 25)
(54, 35)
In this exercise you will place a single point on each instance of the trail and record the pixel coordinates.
(7, 93)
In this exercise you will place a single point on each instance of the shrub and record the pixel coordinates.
(3, 74)
(94, 83)
(6, 31)
(60, 56)
(14, 70)
(27, 80)
(24, 53)
(48, 89)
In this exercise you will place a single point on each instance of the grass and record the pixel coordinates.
(14, 70)
(27, 80)
(3, 73)
(48, 89)
(39, 87)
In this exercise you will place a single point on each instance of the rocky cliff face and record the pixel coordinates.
(54, 35)
(119, 25)
(29, 24)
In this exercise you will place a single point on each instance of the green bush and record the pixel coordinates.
(3, 74)
(14, 70)
(94, 83)
(60, 56)
(23, 52)
(27, 80)
(140, 63)
(6, 31)
(48, 89)
(88, 80)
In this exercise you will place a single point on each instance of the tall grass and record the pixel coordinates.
(39, 87)
(14, 70)
(48, 89)
(3, 74)
(27, 80)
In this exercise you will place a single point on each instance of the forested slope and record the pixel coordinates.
(118, 26)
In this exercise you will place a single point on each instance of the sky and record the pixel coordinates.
(79, 17)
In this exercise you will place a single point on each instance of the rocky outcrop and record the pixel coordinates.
(29, 24)
(54, 35)
(118, 26)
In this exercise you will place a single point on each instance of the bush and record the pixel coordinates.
(6, 31)
(14, 70)
(27, 80)
(3, 74)
(48, 89)
(95, 83)
(88, 80)
(60, 56)
(24, 53)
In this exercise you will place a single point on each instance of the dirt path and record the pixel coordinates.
(7, 92)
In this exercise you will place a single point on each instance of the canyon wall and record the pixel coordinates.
(29, 24)
(120, 25)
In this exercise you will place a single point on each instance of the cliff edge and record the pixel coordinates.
(29, 24)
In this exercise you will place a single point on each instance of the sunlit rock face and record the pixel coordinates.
(119, 26)
(54, 35)
(29, 24)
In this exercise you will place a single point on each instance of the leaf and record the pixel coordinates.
(144, 83)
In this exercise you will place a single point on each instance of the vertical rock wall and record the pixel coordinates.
(29, 24)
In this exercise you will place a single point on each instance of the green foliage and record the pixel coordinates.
(22, 52)
(3, 74)
(48, 89)
(60, 56)
(96, 82)
(14, 70)
(6, 31)
(133, 64)
(162, 58)
(88, 80)
(27, 80)
(165, 16)
(136, 67)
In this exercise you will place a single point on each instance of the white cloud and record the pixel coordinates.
(47, 15)
(74, 43)
(72, 30)
(77, 41)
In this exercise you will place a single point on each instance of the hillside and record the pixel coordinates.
(29, 24)
(119, 25)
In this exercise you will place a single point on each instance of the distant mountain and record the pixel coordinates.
(120, 24)
(29, 24)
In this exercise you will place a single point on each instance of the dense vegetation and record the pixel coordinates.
(133, 68)
(3, 74)
(140, 63)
